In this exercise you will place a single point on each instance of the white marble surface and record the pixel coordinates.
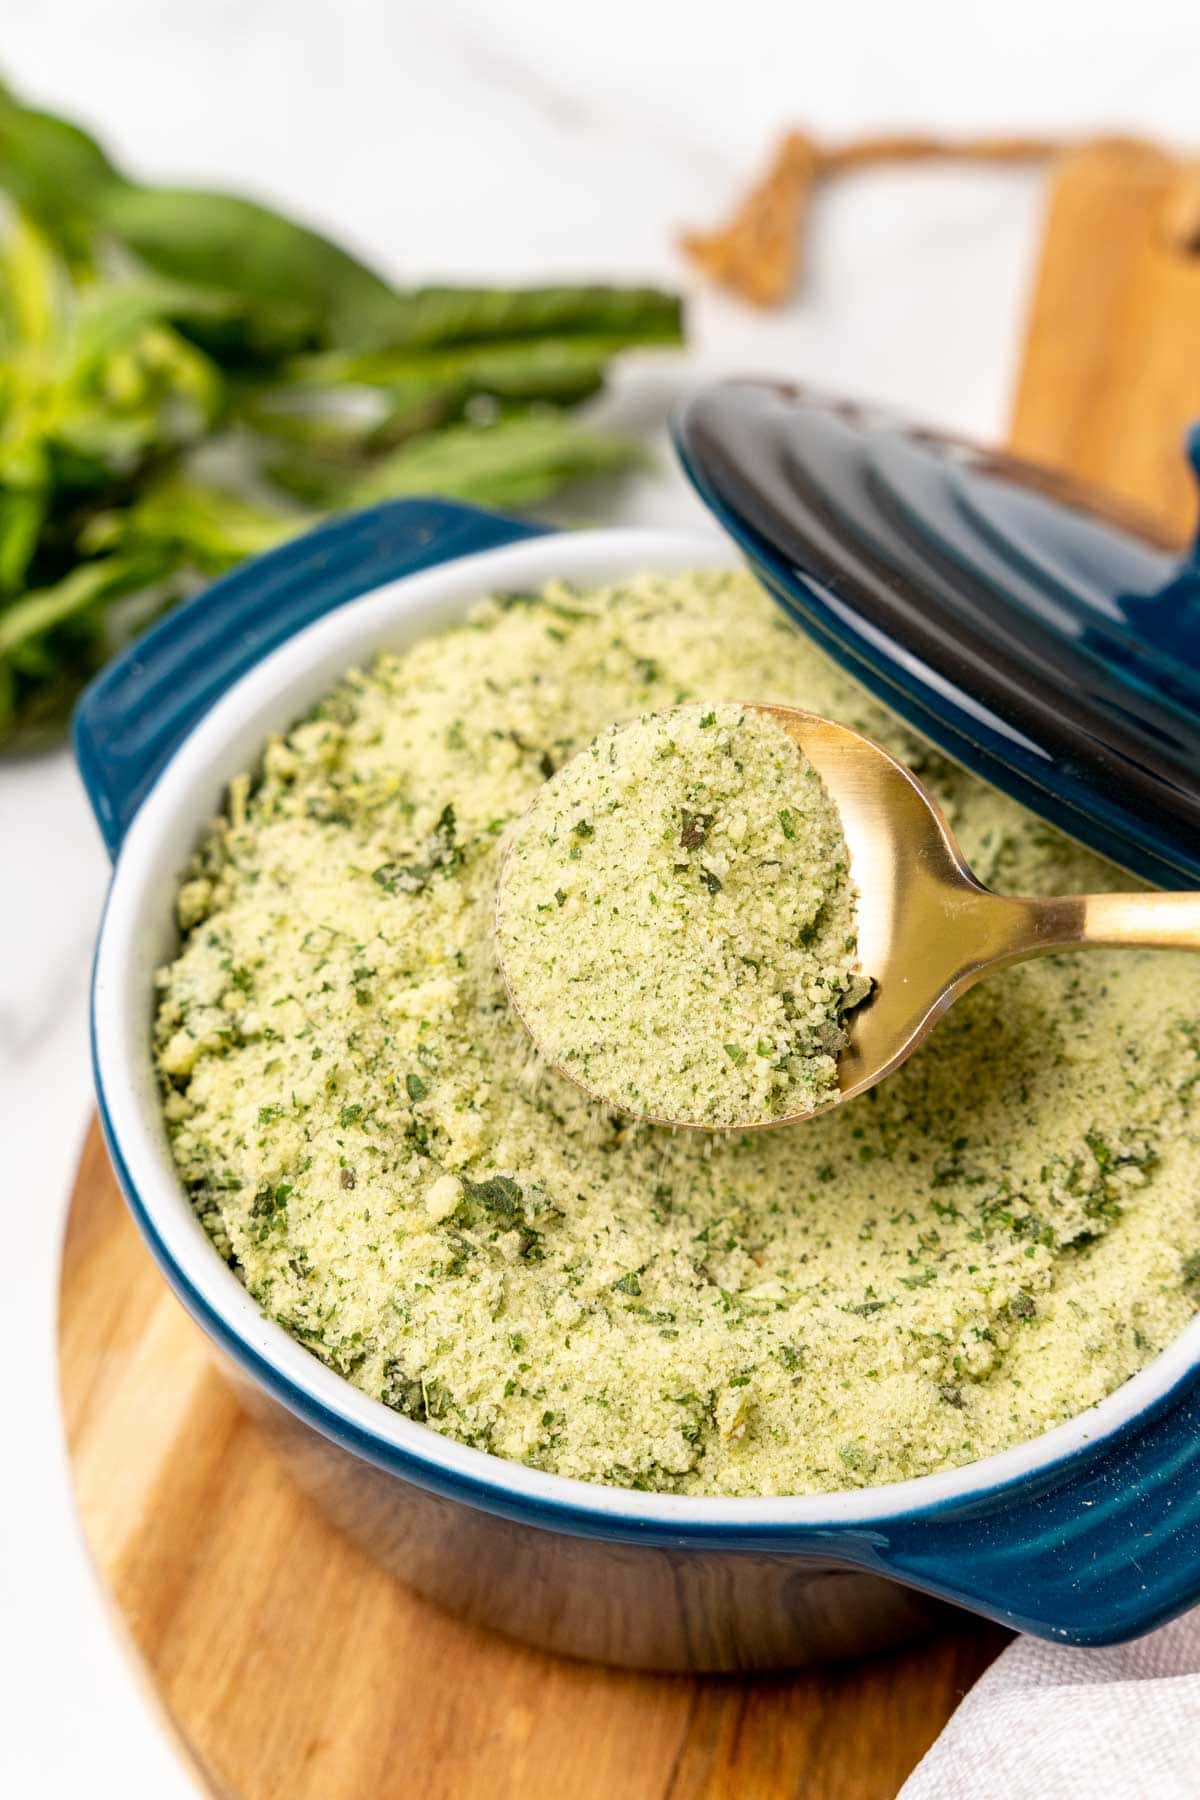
(459, 138)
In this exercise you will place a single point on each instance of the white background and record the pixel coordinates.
(493, 138)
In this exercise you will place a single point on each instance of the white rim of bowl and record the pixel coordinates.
(269, 695)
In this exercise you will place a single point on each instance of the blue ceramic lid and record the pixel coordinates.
(1033, 629)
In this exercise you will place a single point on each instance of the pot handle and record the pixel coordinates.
(1095, 1550)
(132, 717)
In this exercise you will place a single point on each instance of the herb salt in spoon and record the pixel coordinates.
(703, 928)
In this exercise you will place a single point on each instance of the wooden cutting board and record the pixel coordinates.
(286, 1664)
(1110, 379)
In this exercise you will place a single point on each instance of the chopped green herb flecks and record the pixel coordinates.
(695, 827)
(691, 932)
(1001, 1234)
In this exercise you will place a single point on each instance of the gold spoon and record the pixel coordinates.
(927, 929)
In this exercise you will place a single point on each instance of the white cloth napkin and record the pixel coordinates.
(1046, 1723)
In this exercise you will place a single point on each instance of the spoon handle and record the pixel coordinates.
(1152, 921)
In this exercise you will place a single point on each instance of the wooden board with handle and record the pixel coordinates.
(285, 1663)
(290, 1667)
(1110, 380)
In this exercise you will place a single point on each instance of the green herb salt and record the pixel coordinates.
(996, 1237)
(676, 920)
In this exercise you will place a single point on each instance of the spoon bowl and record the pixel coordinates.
(927, 928)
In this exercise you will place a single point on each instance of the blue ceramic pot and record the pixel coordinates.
(1088, 1535)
